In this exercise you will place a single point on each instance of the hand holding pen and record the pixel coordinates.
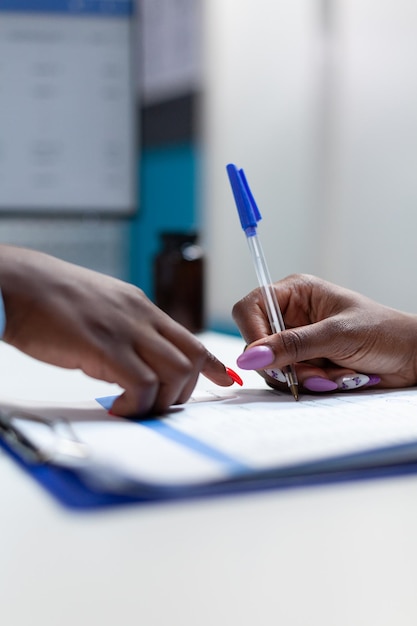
(250, 215)
(329, 337)
(341, 340)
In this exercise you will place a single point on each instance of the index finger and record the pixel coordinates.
(251, 317)
(205, 362)
(295, 299)
(303, 300)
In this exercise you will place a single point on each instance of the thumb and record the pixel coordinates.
(134, 403)
(292, 346)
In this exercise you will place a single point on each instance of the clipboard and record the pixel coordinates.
(69, 486)
(66, 488)
(386, 422)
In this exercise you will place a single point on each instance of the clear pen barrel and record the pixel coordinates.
(273, 310)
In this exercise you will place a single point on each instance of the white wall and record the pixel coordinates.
(260, 107)
(372, 216)
(324, 121)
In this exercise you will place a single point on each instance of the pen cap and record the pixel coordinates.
(249, 213)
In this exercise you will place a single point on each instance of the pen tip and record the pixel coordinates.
(294, 391)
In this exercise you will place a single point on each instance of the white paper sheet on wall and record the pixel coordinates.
(68, 104)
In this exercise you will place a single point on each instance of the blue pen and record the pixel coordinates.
(250, 215)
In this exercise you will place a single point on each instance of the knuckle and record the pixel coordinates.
(247, 303)
(237, 309)
(292, 343)
(185, 370)
(148, 379)
(197, 354)
(184, 367)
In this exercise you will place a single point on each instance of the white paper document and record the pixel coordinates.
(227, 435)
(221, 436)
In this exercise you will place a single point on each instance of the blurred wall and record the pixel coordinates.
(317, 101)
(371, 214)
(169, 67)
(67, 122)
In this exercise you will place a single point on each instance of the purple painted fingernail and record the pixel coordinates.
(276, 374)
(317, 383)
(352, 381)
(256, 358)
(373, 380)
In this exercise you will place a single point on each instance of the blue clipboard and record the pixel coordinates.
(67, 488)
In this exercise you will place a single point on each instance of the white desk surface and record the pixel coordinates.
(335, 555)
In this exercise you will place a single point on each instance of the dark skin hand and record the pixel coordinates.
(72, 317)
(332, 331)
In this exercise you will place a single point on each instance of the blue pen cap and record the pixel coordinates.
(249, 213)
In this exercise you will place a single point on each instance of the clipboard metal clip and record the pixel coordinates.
(51, 441)
(40, 440)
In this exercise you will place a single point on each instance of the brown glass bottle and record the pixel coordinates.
(179, 279)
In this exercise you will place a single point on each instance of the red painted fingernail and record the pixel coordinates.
(235, 377)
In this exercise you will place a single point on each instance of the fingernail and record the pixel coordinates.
(373, 380)
(277, 375)
(317, 383)
(256, 358)
(235, 377)
(352, 381)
